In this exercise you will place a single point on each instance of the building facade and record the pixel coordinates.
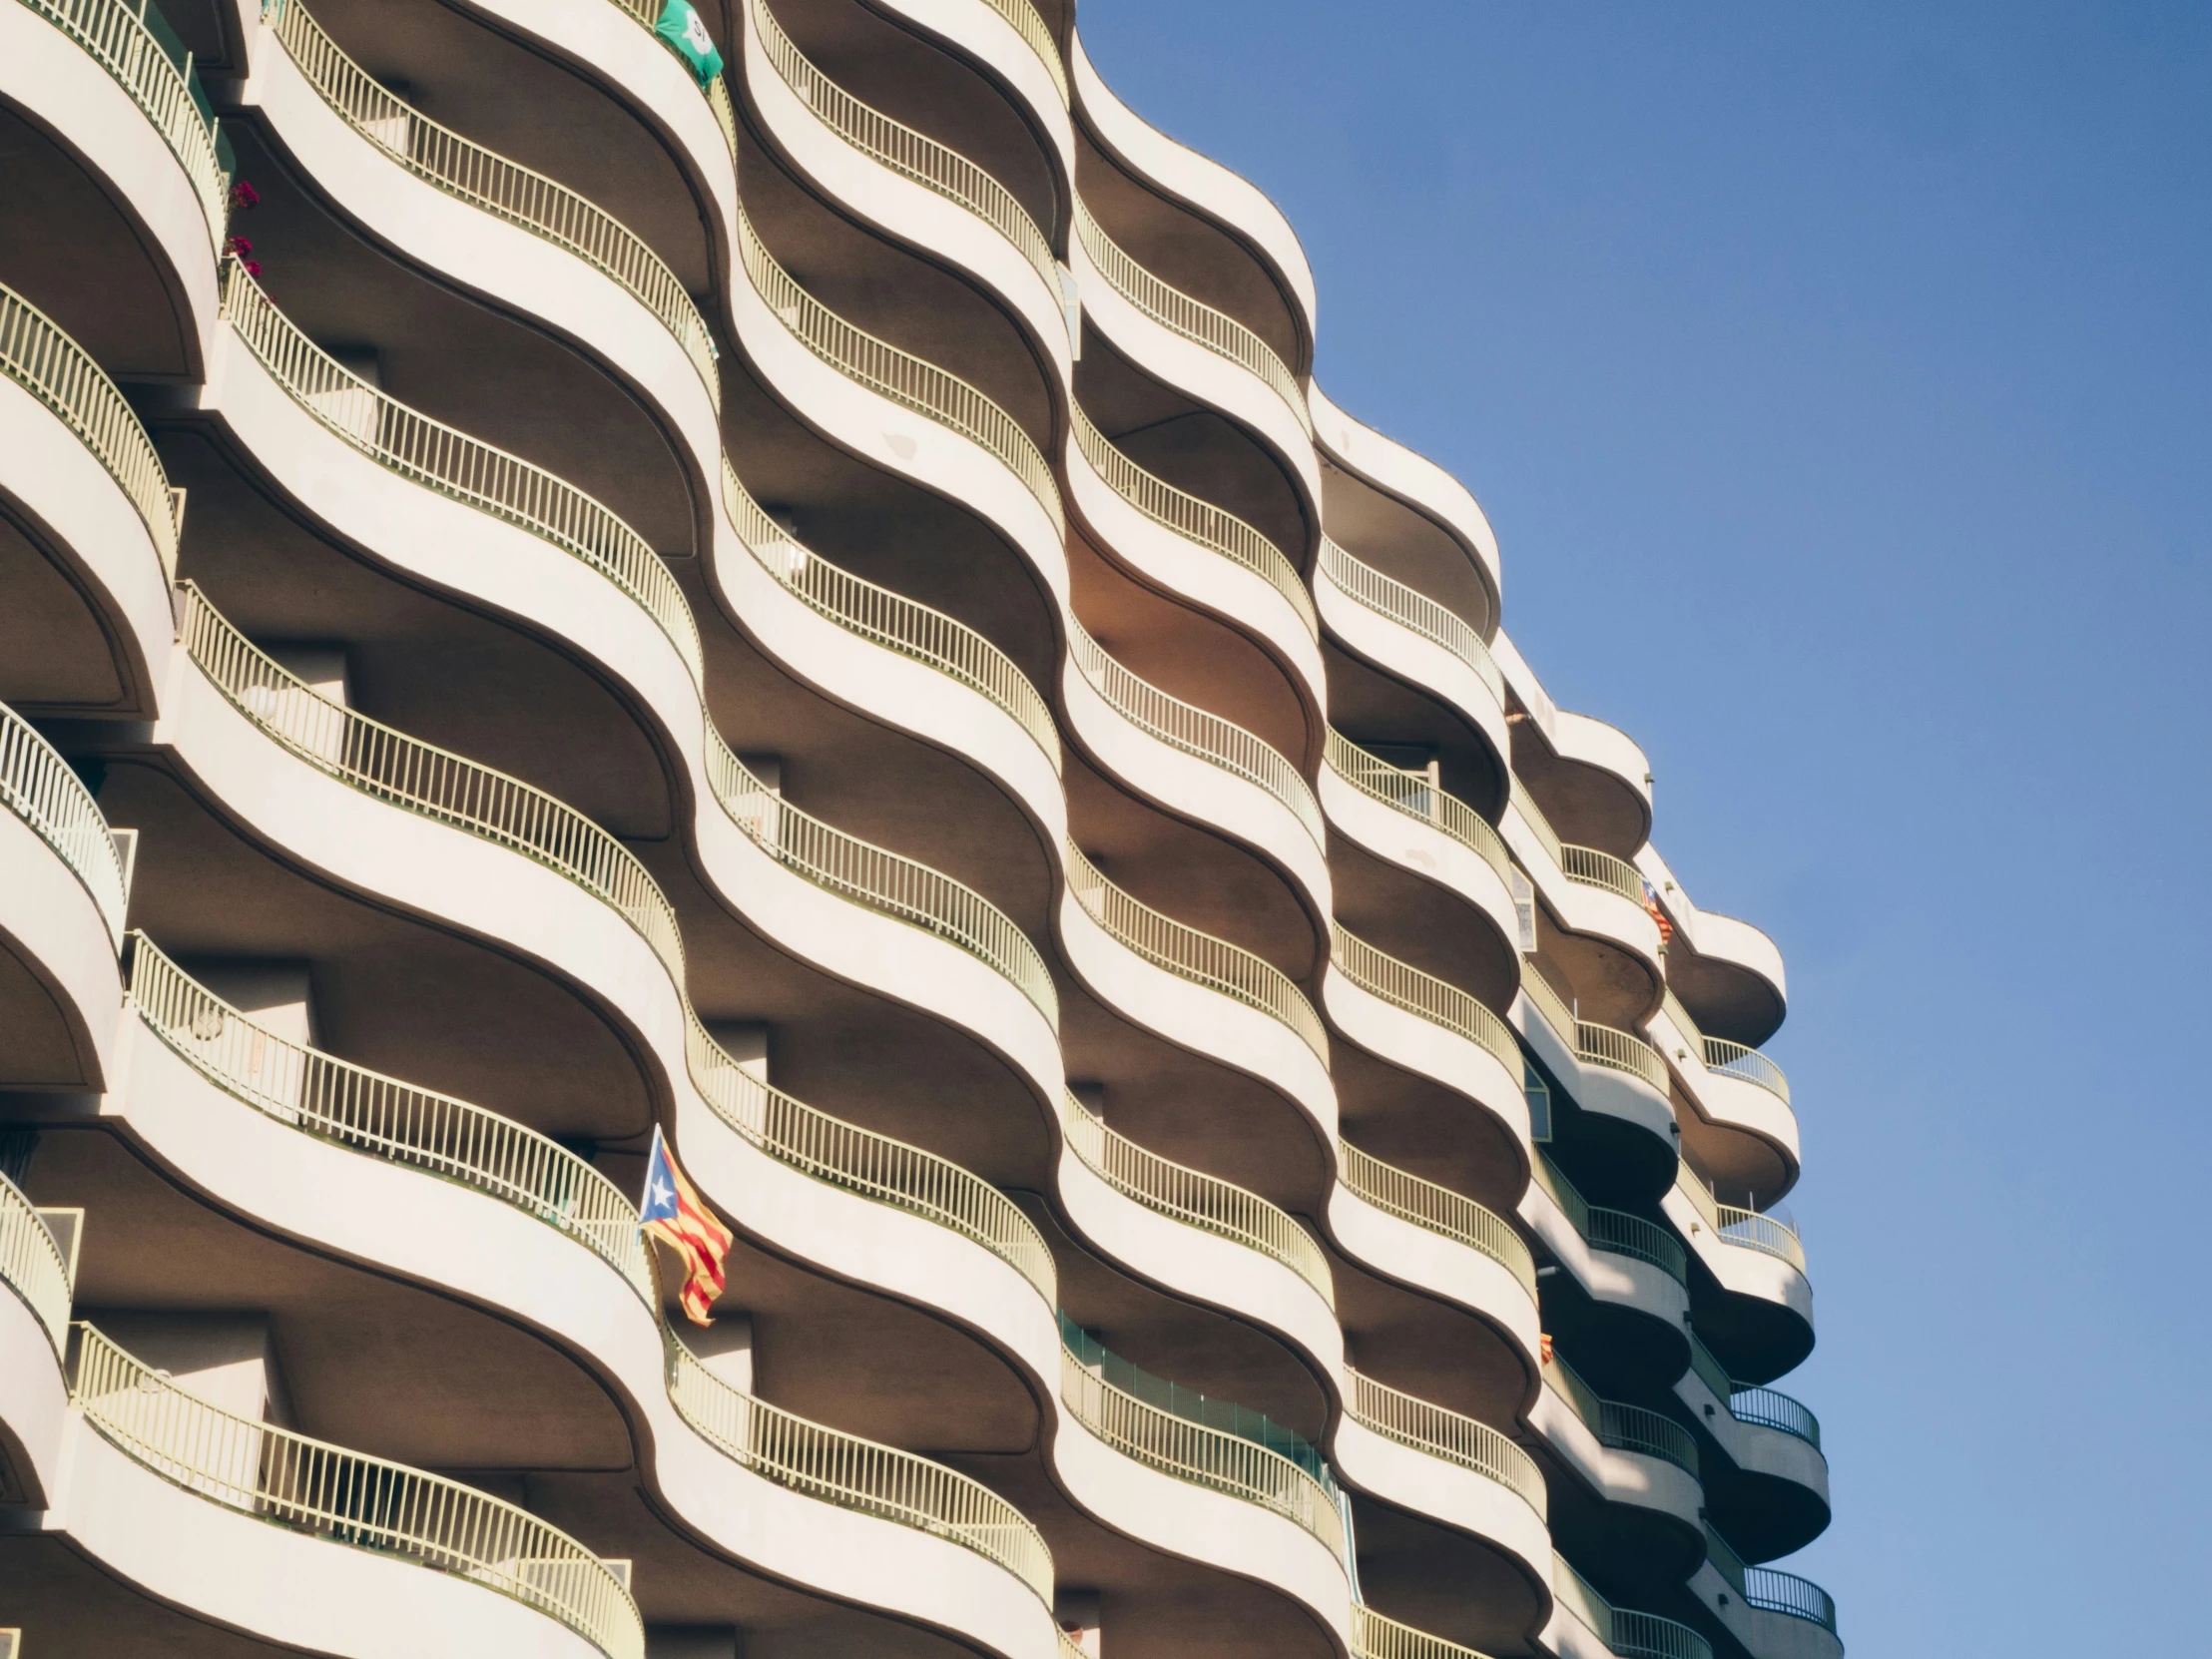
(778, 573)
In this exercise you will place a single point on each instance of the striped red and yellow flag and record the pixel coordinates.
(674, 1213)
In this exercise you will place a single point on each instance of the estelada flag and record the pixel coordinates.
(674, 1213)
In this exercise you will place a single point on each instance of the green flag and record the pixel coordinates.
(687, 37)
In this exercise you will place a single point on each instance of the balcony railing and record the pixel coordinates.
(1242, 1453)
(1414, 795)
(1593, 1044)
(1036, 36)
(1622, 1427)
(386, 1118)
(504, 189)
(1585, 864)
(1731, 1059)
(890, 619)
(898, 375)
(1771, 1409)
(1194, 319)
(1732, 1224)
(881, 879)
(1629, 1634)
(1404, 986)
(119, 40)
(1769, 1590)
(1410, 608)
(1615, 1231)
(905, 152)
(1187, 726)
(32, 1264)
(442, 458)
(855, 1473)
(646, 13)
(1457, 1217)
(1192, 519)
(55, 370)
(1192, 1196)
(1376, 1637)
(37, 785)
(1191, 954)
(861, 1161)
(1444, 1434)
(308, 1485)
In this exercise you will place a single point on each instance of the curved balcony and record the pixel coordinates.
(1404, 986)
(716, 91)
(845, 1469)
(1298, 848)
(1727, 967)
(1619, 1427)
(1770, 1409)
(920, 160)
(1747, 1229)
(1737, 1090)
(1378, 1637)
(1584, 865)
(36, 1283)
(1188, 319)
(1763, 1320)
(1438, 1210)
(284, 1479)
(1773, 1487)
(1458, 1438)
(1617, 1261)
(1458, 848)
(37, 785)
(1613, 1231)
(32, 1265)
(1765, 1590)
(1447, 656)
(1615, 1073)
(1622, 1631)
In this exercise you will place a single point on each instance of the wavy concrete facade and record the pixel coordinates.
(551, 593)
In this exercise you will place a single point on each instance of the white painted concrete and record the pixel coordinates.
(50, 923)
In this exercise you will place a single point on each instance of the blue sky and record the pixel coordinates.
(1839, 379)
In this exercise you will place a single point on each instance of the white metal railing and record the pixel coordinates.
(1619, 1425)
(1448, 1435)
(1036, 36)
(1439, 1208)
(1199, 1452)
(646, 13)
(1405, 986)
(32, 1264)
(1410, 608)
(1187, 726)
(898, 375)
(1730, 1059)
(1191, 954)
(877, 878)
(504, 189)
(1613, 1231)
(1768, 1589)
(856, 1473)
(1194, 319)
(1192, 1196)
(117, 38)
(1597, 1045)
(37, 785)
(891, 620)
(449, 461)
(1771, 1409)
(1192, 519)
(313, 1487)
(1413, 794)
(861, 1161)
(1629, 1634)
(55, 370)
(905, 152)
(1583, 864)
(1376, 1637)
(386, 1118)
(1732, 1224)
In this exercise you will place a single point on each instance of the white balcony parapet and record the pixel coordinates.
(309, 1485)
(1586, 865)
(1622, 1427)
(1409, 608)
(646, 13)
(1194, 520)
(116, 37)
(1414, 795)
(1454, 1216)
(1028, 24)
(1443, 1432)
(449, 461)
(1193, 730)
(891, 620)
(32, 1264)
(1192, 1196)
(1770, 1590)
(899, 375)
(1627, 1633)
(38, 356)
(1730, 1059)
(1191, 954)
(1732, 1224)
(837, 1467)
(1194, 319)
(37, 785)
(904, 150)
(1189, 1449)
(488, 180)
(1593, 1044)
(1404, 986)
(1615, 1231)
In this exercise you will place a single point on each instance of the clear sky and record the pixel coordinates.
(1839, 379)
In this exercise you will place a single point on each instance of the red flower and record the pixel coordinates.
(244, 196)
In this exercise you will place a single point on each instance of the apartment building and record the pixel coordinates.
(778, 574)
